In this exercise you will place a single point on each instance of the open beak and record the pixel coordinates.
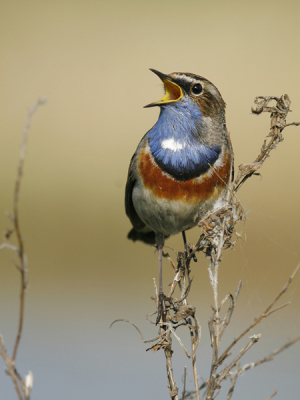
(173, 91)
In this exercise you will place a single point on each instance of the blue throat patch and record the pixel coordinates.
(175, 143)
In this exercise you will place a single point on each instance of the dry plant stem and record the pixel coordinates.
(173, 390)
(194, 348)
(192, 335)
(22, 267)
(240, 370)
(272, 395)
(271, 356)
(215, 384)
(160, 270)
(223, 375)
(215, 281)
(184, 384)
(278, 123)
(22, 390)
(233, 382)
(215, 321)
(131, 323)
(175, 282)
(195, 375)
(183, 315)
(265, 314)
(11, 368)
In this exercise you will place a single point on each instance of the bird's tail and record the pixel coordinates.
(147, 238)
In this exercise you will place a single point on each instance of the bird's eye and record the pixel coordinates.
(197, 88)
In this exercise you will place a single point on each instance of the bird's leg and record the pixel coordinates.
(160, 251)
(185, 243)
(187, 250)
(161, 309)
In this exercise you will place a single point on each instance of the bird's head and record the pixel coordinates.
(191, 89)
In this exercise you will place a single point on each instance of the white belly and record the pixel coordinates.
(165, 216)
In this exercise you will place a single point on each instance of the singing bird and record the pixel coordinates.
(182, 165)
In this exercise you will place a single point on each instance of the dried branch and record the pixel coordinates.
(271, 356)
(272, 395)
(184, 384)
(10, 368)
(225, 372)
(22, 389)
(233, 379)
(278, 122)
(173, 390)
(264, 314)
(15, 219)
(131, 323)
(230, 310)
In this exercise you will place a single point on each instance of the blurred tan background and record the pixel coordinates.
(90, 59)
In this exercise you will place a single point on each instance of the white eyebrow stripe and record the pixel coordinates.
(171, 144)
(187, 78)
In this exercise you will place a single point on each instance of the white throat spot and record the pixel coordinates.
(171, 144)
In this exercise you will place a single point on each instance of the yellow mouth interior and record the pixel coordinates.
(173, 92)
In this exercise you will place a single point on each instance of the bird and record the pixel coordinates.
(181, 166)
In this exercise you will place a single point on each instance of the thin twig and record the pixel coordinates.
(23, 264)
(233, 379)
(11, 368)
(131, 323)
(22, 388)
(173, 390)
(272, 395)
(184, 384)
(271, 356)
(215, 329)
(264, 314)
(226, 370)
(278, 123)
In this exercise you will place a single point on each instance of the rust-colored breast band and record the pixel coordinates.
(165, 187)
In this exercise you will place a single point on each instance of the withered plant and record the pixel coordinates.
(23, 386)
(218, 231)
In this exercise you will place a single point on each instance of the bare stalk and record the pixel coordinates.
(10, 368)
(22, 388)
(264, 314)
(272, 395)
(15, 219)
(184, 384)
(173, 390)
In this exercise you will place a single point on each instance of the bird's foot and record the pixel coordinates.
(162, 309)
(193, 255)
(189, 252)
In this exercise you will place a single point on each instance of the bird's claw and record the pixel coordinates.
(193, 256)
(161, 307)
(189, 251)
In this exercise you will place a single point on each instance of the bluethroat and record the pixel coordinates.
(182, 165)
